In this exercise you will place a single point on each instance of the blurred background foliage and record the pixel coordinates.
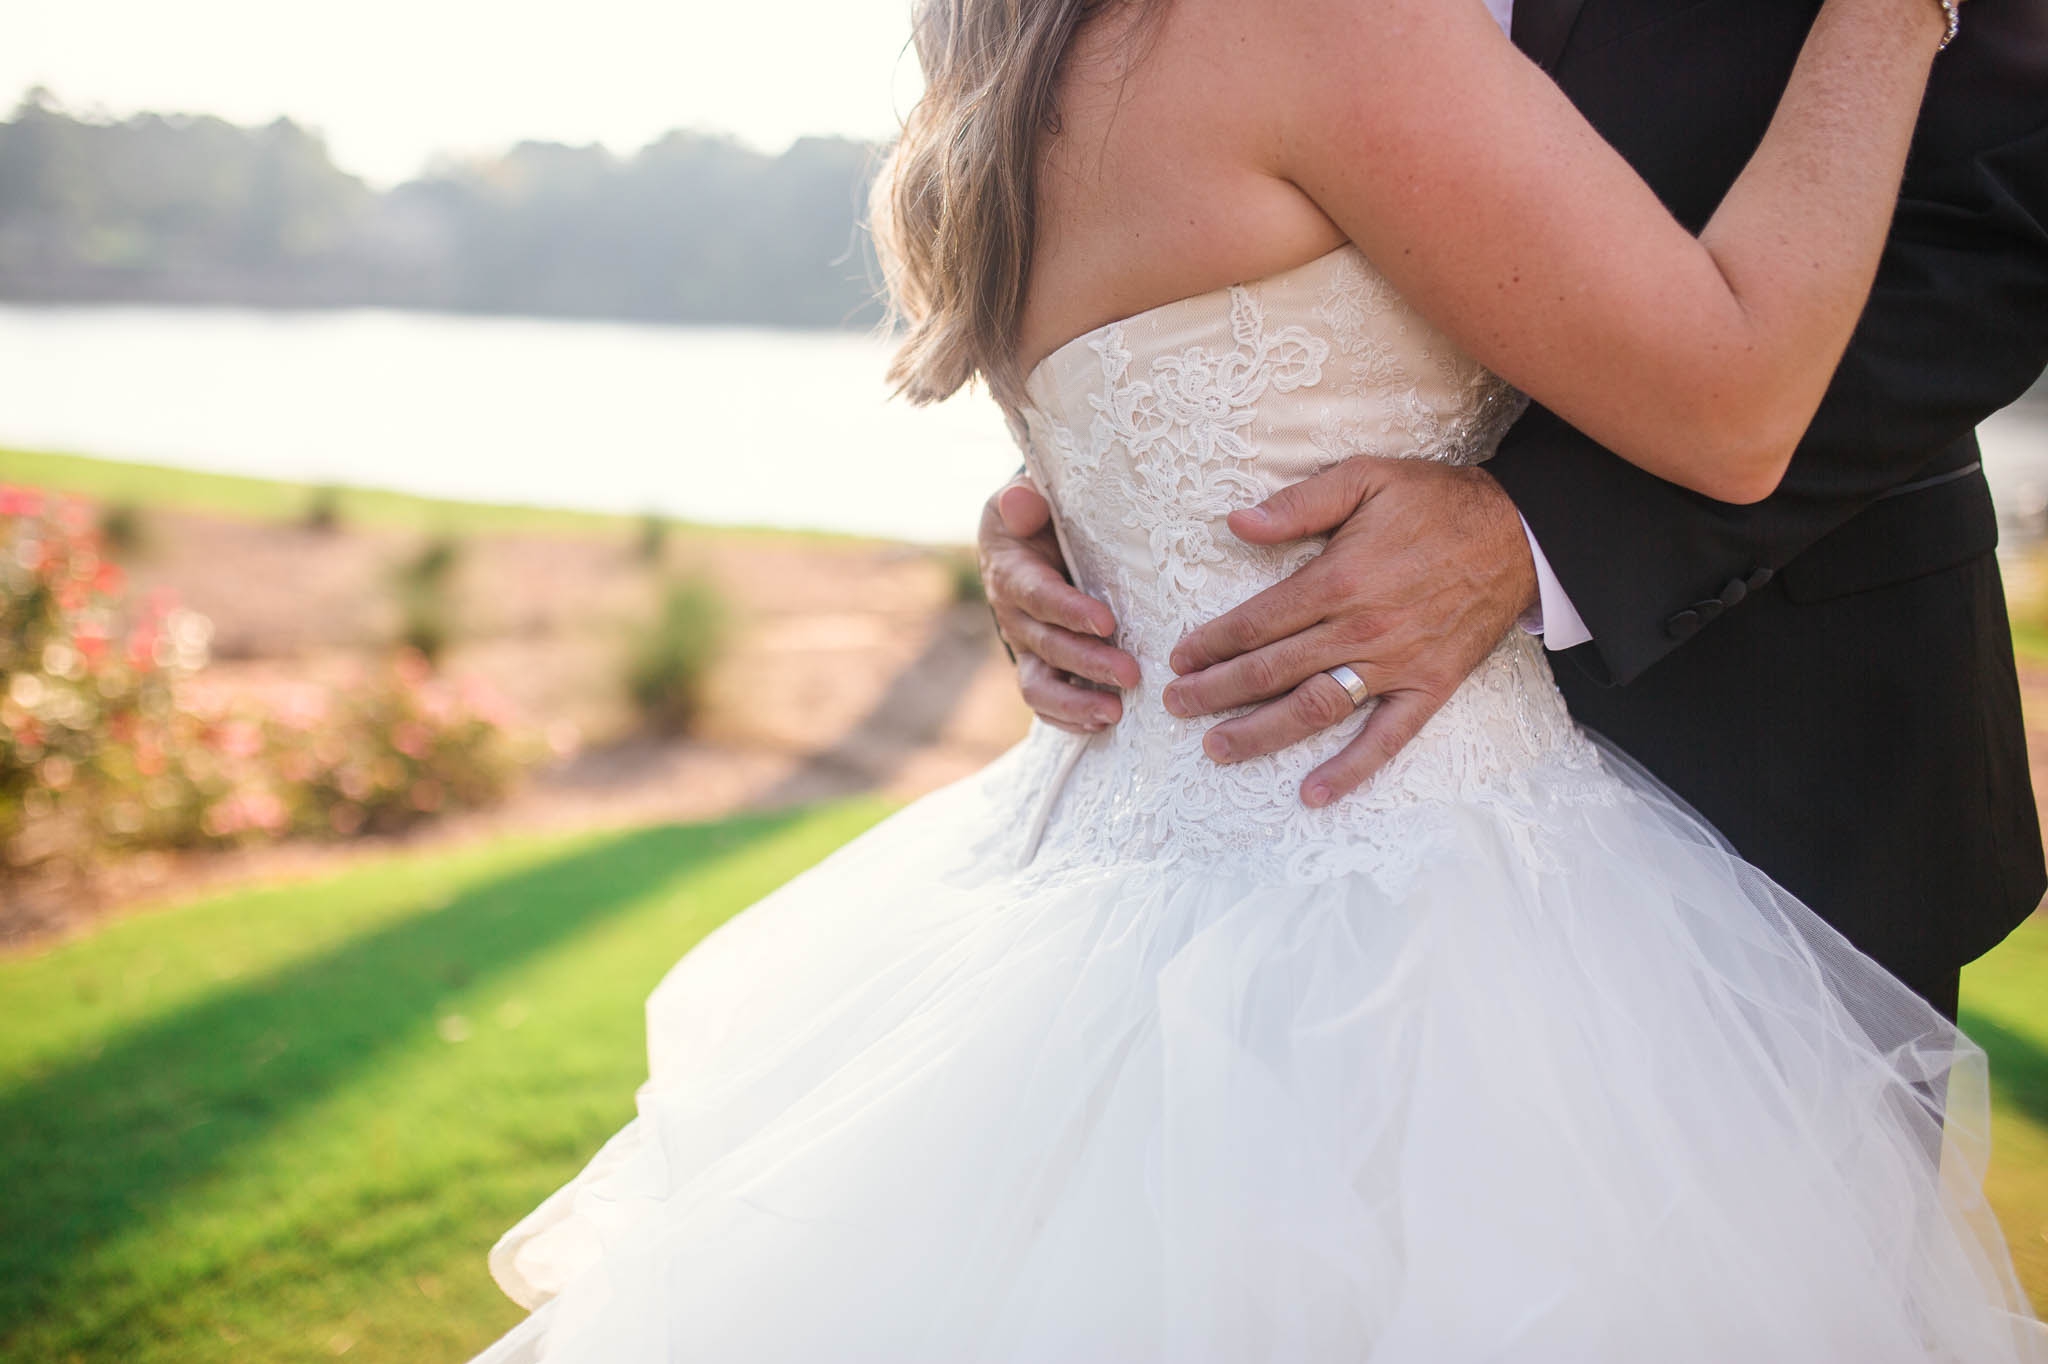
(193, 209)
(112, 739)
(670, 663)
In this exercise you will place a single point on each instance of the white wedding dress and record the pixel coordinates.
(1109, 1054)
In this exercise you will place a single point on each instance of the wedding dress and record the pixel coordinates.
(1110, 1054)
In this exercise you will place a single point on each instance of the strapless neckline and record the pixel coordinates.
(1206, 299)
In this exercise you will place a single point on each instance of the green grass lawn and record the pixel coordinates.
(286, 1123)
(2005, 1008)
(157, 487)
(2029, 639)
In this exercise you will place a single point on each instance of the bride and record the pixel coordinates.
(1111, 1053)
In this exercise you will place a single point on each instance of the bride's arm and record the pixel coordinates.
(1483, 195)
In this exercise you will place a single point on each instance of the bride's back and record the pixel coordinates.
(1150, 188)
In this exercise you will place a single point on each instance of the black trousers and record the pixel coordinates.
(1941, 992)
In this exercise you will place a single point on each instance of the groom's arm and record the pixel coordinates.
(1957, 327)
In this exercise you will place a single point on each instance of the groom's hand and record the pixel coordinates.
(1058, 633)
(1426, 568)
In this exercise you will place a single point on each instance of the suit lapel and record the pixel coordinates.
(1540, 28)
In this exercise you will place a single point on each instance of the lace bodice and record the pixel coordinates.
(1145, 434)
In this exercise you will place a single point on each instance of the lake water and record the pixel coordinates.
(726, 425)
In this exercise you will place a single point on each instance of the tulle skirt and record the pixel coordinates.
(1623, 1101)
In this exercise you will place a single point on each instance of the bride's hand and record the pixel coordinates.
(1427, 568)
(1057, 632)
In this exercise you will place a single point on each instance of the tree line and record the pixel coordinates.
(193, 209)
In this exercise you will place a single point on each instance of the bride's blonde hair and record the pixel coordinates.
(953, 208)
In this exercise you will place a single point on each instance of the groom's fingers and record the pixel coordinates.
(1317, 505)
(1082, 655)
(1059, 634)
(1261, 674)
(1288, 607)
(1314, 506)
(1022, 571)
(1023, 583)
(1398, 718)
(1308, 710)
(1023, 510)
(1063, 703)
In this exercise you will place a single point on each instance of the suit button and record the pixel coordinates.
(1734, 592)
(1683, 625)
(1757, 579)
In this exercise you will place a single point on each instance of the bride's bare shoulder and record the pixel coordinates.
(1250, 80)
(1175, 164)
(1287, 40)
(1157, 183)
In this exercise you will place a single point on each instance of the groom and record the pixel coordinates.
(1826, 675)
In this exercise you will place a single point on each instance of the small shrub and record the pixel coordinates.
(398, 746)
(963, 578)
(384, 750)
(88, 712)
(426, 598)
(670, 664)
(323, 510)
(653, 542)
(124, 529)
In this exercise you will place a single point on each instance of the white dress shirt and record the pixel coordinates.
(1554, 617)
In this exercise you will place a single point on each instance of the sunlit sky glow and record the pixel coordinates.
(392, 81)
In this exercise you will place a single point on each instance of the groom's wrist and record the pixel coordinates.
(1549, 613)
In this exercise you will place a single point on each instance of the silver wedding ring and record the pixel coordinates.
(1351, 682)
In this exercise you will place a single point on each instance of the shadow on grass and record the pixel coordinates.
(2019, 1065)
(91, 1148)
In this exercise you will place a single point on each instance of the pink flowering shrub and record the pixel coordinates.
(401, 745)
(111, 737)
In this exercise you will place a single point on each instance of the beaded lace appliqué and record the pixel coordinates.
(1173, 445)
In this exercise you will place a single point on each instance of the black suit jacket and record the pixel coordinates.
(1826, 675)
